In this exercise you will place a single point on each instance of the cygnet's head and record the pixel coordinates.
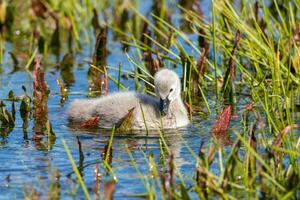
(167, 88)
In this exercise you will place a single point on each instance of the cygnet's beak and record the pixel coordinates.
(164, 106)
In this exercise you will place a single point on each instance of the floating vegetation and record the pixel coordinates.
(25, 111)
(221, 126)
(66, 67)
(63, 90)
(40, 98)
(6, 119)
(99, 65)
(42, 125)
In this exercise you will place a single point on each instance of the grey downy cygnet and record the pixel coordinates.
(165, 110)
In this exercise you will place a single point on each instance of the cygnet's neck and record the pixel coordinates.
(177, 106)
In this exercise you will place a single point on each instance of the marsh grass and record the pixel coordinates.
(78, 175)
(250, 48)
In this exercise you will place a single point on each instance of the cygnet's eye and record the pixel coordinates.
(171, 89)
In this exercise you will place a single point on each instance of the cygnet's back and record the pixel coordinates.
(111, 109)
(166, 110)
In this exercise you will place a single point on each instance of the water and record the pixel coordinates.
(27, 166)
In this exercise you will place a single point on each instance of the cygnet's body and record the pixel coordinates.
(166, 110)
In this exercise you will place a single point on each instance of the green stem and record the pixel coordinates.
(214, 46)
(80, 180)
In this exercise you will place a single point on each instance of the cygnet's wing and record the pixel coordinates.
(114, 107)
(109, 108)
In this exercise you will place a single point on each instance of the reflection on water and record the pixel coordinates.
(27, 167)
(36, 168)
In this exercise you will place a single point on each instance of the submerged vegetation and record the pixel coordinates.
(240, 68)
